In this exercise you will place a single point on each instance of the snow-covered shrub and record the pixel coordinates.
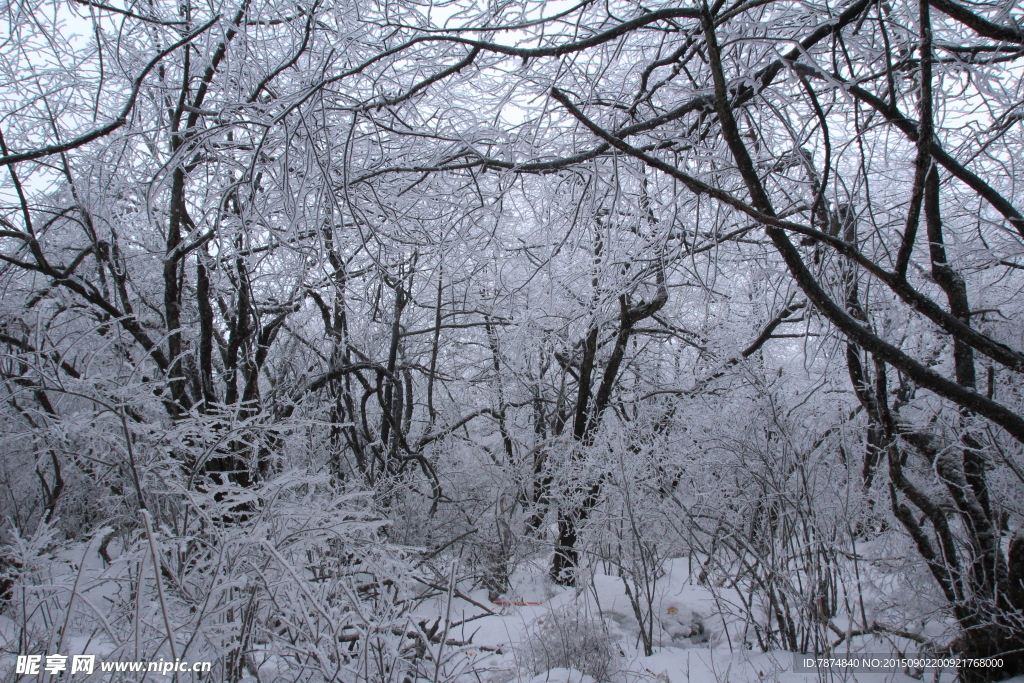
(566, 638)
(769, 507)
(304, 586)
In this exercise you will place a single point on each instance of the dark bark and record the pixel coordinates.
(987, 626)
(588, 421)
(206, 334)
(506, 439)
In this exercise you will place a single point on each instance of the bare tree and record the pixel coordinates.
(387, 241)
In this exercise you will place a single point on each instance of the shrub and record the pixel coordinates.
(568, 638)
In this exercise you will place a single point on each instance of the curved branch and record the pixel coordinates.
(997, 351)
(116, 123)
(980, 25)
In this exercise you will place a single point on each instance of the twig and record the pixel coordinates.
(159, 583)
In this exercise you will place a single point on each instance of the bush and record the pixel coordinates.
(567, 638)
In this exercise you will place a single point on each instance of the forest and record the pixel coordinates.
(511, 341)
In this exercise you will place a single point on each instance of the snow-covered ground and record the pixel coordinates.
(538, 632)
(693, 642)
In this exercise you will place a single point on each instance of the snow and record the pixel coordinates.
(562, 675)
(691, 640)
(539, 632)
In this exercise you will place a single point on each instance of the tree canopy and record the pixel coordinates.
(490, 267)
